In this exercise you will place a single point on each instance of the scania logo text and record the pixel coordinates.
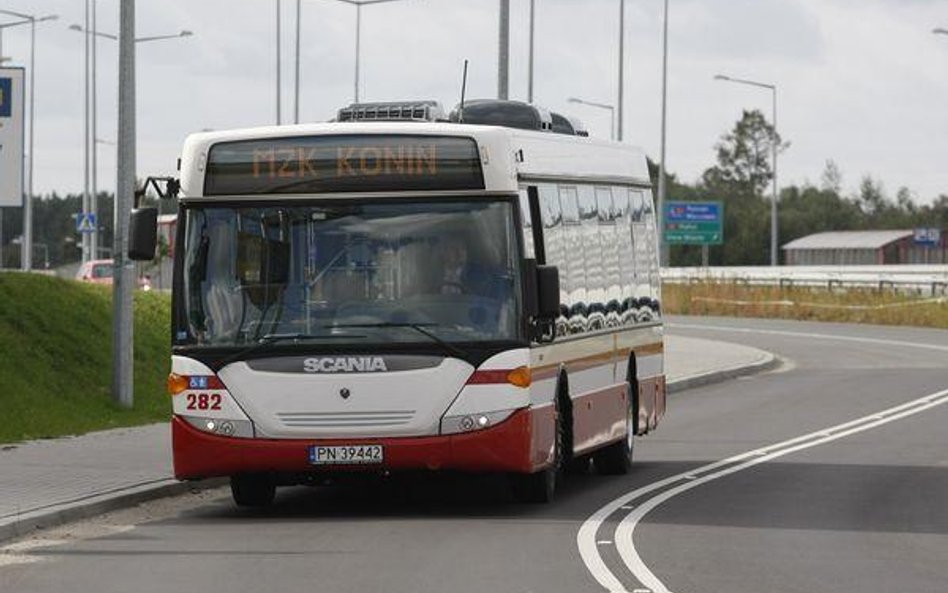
(345, 364)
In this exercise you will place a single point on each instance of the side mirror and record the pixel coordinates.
(143, 234)
(548, 291)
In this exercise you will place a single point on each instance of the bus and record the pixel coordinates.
(411, 293)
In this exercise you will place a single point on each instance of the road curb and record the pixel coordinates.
(12, 527)
(766, 362)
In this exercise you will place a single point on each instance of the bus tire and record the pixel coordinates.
(539, 487)
(252, 490)
(616, 459)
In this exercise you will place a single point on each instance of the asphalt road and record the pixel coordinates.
(827, 474)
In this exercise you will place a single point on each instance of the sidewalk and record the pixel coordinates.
(50, 482)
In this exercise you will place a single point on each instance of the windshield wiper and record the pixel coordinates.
(418, 327)
(267, 339)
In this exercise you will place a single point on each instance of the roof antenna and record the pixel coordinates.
(463, 90)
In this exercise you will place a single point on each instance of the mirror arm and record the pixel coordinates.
(171, 190)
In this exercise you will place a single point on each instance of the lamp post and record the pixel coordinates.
(358, 4)
(90, 247)
(26, 253)
(619, 101)
(940, 31)
(279, 60)
(530, 61)
(612, 113)
(663, 253)
(503, 50)
(773, 203)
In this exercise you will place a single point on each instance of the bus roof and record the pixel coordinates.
(508, 156)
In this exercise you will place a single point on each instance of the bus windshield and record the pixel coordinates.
(312, 269)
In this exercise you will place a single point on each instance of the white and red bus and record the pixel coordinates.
(399, 295)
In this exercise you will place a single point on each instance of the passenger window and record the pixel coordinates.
(640, 246)
(554, 236)
(573, 281)
(626, 253)
(527, 222)
(655, 282)
(592, 251)
(610, 251)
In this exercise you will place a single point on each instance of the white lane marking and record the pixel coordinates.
(816, 336)
(585, 538)
(626, 528)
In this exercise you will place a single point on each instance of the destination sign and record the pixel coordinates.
(345, 163)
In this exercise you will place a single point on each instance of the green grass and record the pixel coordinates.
(56, 358)
(885, 307)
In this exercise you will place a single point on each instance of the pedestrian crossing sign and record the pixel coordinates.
(85, 222)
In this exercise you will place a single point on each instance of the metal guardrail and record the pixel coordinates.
(932, 279)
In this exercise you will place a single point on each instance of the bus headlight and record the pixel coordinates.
(473, 422)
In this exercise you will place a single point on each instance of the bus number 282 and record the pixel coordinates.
(204, 401)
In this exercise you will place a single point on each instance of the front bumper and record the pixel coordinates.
(516, 445)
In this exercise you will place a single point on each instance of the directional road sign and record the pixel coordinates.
(694, 223)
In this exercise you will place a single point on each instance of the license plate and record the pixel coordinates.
(345, 454)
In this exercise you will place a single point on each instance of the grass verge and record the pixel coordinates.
(55, 366)
(814, 304)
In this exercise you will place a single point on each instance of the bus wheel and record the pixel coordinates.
(616, 459)
(538, 488)
(252, 490)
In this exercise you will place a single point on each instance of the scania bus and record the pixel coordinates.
(379, 296)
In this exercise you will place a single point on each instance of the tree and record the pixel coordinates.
(740, 177)
(745, 154)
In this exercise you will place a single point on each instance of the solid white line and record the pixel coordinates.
(626, 529)
(586, 537)
(815, 336)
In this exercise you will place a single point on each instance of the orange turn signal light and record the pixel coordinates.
(520, 377)
(176, 383)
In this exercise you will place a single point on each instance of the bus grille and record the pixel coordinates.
(345, 419)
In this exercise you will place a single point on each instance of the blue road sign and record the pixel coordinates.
(930, 237)
(694, 223)
(85, 222)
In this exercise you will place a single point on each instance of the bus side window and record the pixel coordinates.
(574, 270)
(526, 219)
(655, 282)
(610, 249)
(554, 240)
(595, 281)
(639, 245)
(626, 252)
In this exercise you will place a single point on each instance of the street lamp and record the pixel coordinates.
(663, 252)
(940, 31)
(296, 91)
(773, 203)
(612, 113)
(90, 247)
(26, 255)
(358, 4)
(620, 100)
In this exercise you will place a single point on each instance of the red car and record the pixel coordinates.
(100, 271)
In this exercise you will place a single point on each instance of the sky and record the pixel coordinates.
(864, 83)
